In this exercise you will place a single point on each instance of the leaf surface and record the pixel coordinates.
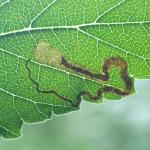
(86, 33)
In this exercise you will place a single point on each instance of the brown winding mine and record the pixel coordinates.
(113, 61)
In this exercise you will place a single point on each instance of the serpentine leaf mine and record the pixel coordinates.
(47, 55)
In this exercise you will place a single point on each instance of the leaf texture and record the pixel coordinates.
(86, 33)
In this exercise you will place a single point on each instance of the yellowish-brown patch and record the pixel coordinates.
(46, 54)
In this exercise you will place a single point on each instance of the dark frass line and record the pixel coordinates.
(114, 61)
(44, 91)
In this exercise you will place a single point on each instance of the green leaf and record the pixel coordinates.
(35, 34)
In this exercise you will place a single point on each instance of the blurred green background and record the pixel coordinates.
(113, 125)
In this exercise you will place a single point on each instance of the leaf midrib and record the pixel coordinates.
(78, 28)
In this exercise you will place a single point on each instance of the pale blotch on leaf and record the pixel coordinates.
(46, 54)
